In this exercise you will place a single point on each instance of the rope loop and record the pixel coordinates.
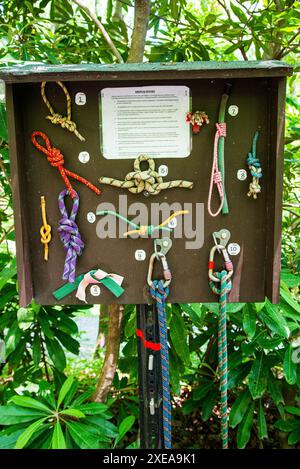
(56, 160)
(69, 235)
(255, 169)
(45, 230)
(57, 119)
(216, 175)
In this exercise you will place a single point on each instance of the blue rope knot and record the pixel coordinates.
(255, 163)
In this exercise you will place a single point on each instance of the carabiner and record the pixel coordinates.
(166, 271)
(211, 263)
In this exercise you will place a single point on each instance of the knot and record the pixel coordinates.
(69, 235)
(217, 177)
(55, 118)
(221, 129)
(225, 285)
(55, 157)
(45, 230)
(158, 292)
(255, 169)
(63, 121)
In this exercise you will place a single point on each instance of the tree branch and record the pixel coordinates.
(111, 354)
(138, 39)
(100, 26)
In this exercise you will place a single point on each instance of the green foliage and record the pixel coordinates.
(44, 409)
(49, 423)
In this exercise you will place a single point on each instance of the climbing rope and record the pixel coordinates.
(64, 121)
(216, 175)
(218, 166)
(197, 119)
(56, 160)
(159, 293)
(255, 169)
(222, 278)
(143, 229)
(69, 235)
(147, 181)
(45, 230)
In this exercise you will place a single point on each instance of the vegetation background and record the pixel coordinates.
(54, 392)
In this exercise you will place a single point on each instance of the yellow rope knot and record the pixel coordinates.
(45, 230)
(148, 181)
(64, 121)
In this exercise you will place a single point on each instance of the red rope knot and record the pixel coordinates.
(221, 129)
(56, 159)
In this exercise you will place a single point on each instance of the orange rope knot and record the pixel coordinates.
(56, 159)
(45, 230)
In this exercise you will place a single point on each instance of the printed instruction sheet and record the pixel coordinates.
(147, 120)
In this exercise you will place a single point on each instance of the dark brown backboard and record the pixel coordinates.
(254, 224)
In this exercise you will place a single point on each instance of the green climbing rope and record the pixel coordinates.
(221, 144)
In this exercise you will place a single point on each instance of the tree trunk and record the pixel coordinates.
(102, 330)
(138, 39)
(111, 354)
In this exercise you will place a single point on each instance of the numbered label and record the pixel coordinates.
(80, 99)
(95, 290)
(172, 223)
(91, 217)
(84, 157)
(233, 249)
(233, 110)
(140, 255)
(163, 170)
(242, 174)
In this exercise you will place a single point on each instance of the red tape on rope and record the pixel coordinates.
(146, 343)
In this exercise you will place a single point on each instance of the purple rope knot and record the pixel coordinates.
(69, 235)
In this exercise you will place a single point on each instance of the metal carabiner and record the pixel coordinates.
(211, 263)
(166, 271)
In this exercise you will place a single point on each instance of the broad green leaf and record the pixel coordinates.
(56, 353)
(28, 433)
(36, 350)
(58, 439)
(258, 376)
(261, 422)
(12, 338)
(124, 427)
(294, 437)
(274, 320)
(208, 404)
(244, 429)
(287, 425)
(73, 413)
(289, 366)
(239, 408)
(274, 389)
(195, 312)
(290, 300)
(178, 335)
(64, 390)
(291, 280)
(92, 408)
(8, 441)
(103, 426)
(82, 436)
(293, 410)
(11, 414)
(24, 401)
(7, 273)
(249, 320)
(3, 124)
(45, 325)
(202, 390)
(25, 318)
(72, 345)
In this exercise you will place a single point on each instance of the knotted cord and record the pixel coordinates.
(216, 175)
(147, 181)
(160, 293)
(45, 230)
(56, 159)
(255, 169)
(69, 235)
(64, 121)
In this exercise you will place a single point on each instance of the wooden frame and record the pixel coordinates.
(270, 76)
